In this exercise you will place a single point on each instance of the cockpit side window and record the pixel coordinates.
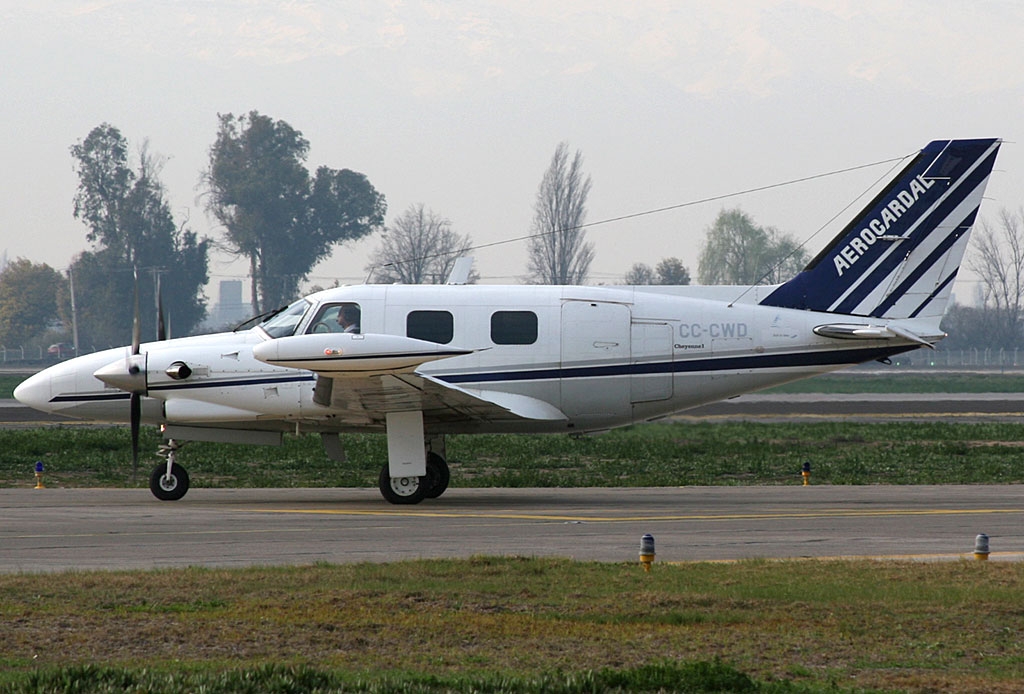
(336, 318)
(285, 322)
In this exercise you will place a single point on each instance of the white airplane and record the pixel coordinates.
(419, 362)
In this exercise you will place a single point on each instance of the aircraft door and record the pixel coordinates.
(595, 356)
(651, 378)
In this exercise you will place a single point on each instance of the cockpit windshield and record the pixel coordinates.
(285, 322)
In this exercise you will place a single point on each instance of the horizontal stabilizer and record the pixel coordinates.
(852, 331)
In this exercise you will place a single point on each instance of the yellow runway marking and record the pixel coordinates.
(782, 515)
(155, 533)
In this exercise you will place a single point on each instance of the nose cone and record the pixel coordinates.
(36, 391)
(127, 374)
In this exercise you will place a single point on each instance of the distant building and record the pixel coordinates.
(229, 309)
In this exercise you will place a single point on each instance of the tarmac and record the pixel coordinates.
(46, 530)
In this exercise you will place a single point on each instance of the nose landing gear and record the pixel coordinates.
(168, 481)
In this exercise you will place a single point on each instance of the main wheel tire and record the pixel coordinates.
(402, 490)
(168, 488)
(438, 475)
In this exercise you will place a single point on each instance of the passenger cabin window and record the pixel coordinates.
(513, 327)
(432, 326)
(336, 318)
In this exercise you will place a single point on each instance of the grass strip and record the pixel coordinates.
(675, 677)
(664, 454)
(519, 624)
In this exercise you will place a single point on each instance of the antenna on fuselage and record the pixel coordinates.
(460, 270)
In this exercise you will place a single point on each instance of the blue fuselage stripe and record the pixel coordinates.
(233, 383)
(831, 357)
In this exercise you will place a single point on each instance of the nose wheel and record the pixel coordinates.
(168, 481)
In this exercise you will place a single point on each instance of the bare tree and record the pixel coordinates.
(558, 252)
(639, 274)
(998, 260)
(669, 271)
(419, 247)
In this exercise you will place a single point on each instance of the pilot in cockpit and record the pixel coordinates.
(336, 318)
(348, 318)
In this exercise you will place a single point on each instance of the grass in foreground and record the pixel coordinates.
(520, 625)
(646, 455)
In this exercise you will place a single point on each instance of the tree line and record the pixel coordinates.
(284, 219)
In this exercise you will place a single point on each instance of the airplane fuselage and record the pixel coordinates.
(603, 356)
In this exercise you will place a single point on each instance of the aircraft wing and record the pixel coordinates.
(367, 400)
(367, 376)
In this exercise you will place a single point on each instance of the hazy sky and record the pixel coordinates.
(459, 105)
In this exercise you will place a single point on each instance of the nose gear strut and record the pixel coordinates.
(168, 481)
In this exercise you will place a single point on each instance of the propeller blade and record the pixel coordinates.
(161, 329)
(136, 319)
(136, 421)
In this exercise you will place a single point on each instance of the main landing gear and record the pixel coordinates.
(412, 490)
(168, 481)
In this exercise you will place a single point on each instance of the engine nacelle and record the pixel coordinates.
(179, 371)
(358, 354)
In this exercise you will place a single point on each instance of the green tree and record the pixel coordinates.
(966, 327)
(28, 300)
(672, 271)
(737, 251)
(104, 184)
(273, 212)
(558, 250)
(419, 247)
(132, 231)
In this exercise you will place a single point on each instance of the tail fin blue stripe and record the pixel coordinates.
(934, 257)
(915, 235)
(938, 290)
(895, 248)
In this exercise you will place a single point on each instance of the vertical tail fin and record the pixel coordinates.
(898, 258)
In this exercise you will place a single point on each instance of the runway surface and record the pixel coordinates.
(62, 529)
